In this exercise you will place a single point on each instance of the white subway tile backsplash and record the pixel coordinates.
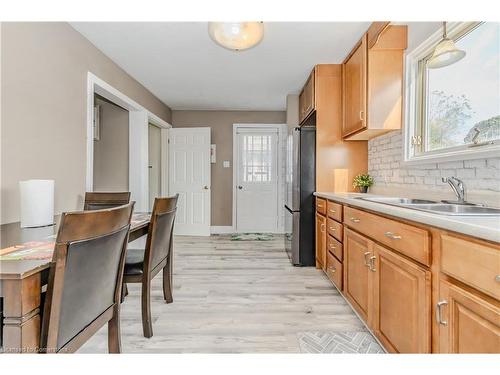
(385, 155)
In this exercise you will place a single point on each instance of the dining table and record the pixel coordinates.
(25, 258)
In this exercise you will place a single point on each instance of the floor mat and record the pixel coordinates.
(252, 237)
(338, 342)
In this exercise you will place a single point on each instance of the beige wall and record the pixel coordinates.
(111, 150)
(43, 108)
(221, 123)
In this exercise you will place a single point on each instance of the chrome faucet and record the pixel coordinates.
(458, 188)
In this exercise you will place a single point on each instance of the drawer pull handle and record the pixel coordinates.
(497, 278)
(332, 270)
(322, 227)
(320, 205)
(438, 313)
(354, 220)
(372, 264)
(366, 260)
(332, 211)
(332, 247)
(392, 236)
(332, 229)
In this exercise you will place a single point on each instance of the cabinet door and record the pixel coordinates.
(467, 322)
(354, 92)
(401, 303)
(320, 241)
(306, 98)
(357, 251)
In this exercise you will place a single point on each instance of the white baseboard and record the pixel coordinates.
(221, 229)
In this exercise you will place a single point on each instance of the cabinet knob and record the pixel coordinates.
(392, 236)
(322, 227)
(497, 278)
(366, 260)
(439, 319)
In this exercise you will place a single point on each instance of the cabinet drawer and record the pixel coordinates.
(334, 229)
(321, 205)
(409, 240)
(475, 264)
(334, 211)
(335, 247)
(334, 270)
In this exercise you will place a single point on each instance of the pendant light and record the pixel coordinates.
(445, 53)
(236, 36)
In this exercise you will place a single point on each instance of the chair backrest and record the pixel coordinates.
(161, 227)
(101, 200)
(85, 277)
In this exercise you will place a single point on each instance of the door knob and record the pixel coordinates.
(240, 187)
(205, 187)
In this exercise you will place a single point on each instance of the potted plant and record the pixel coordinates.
(363, 182)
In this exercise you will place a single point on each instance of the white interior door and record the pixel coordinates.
(257, 180)
(189, 176)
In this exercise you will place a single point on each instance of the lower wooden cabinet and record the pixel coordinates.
(401, 316)
(467, 322)
(357, 286)
(320, 241)
(334, 270)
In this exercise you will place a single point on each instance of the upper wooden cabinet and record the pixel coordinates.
(373, 83)
(307, 98)
(354, 89)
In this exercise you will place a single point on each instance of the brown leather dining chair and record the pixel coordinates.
(142, 265)
(101, 200)
(85, 279)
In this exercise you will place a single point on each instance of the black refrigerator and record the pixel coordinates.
(299, 202)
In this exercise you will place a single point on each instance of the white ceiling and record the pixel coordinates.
(184, 68)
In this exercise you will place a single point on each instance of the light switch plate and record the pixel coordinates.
(226, 164)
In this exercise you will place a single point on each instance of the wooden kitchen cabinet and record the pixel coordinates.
(320, 241)
(468, 322)
(357, 281)
(354, 89)
(401, 303)
(373, 83)
(307, 98)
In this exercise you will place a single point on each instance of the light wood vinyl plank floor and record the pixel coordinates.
(232, 297)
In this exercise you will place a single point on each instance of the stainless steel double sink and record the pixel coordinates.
(440, 208)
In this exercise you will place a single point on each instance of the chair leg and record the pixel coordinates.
(124, 292)
(147, 326)
(167, 281)
(114, 335)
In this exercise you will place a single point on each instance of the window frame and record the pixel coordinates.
(415, 105)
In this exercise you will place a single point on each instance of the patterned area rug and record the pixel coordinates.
(251, 237)
(338, 342)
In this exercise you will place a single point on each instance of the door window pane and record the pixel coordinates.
(257, 158)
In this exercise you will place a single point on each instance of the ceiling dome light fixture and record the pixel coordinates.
(445, 53)
(236, 36)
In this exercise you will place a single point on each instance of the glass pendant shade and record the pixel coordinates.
(445, 53)
(236, 36)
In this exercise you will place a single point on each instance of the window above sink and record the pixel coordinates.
(453, 112)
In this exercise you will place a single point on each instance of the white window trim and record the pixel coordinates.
(411, 101)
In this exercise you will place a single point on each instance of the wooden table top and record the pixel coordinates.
(25, 251)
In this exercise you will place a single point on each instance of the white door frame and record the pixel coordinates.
(139, 118)
(279, 130)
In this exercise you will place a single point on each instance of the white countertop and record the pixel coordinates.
(486, 227)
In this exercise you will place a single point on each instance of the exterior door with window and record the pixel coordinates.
(189, 176)
(257, 180)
